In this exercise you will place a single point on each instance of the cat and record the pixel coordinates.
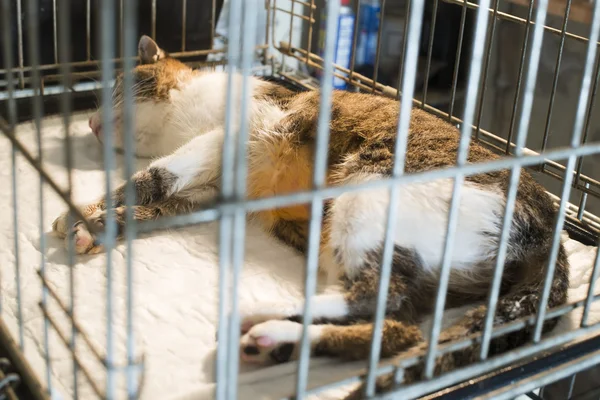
(180, 111)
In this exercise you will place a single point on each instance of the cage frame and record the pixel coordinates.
(232, 210)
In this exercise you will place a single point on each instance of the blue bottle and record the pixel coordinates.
(343, 41)
(366, 48)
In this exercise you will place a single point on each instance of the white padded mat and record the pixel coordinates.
(175, 280)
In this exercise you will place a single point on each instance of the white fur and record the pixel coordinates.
(331, 306)
(195, 107)
(359, 221)
(197, 162)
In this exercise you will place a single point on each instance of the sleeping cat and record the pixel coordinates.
(180, 112)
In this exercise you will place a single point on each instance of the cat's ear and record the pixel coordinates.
(149, 51)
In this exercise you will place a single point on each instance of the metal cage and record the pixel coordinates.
(57, 53)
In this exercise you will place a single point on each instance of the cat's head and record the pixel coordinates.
(154, 78)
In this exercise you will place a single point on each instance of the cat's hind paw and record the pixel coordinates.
(275, 342)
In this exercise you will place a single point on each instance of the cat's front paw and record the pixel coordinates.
(85, 241)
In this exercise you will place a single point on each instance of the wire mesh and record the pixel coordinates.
(231, 211)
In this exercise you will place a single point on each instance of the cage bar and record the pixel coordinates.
(521, 21)
(319, 181)
(461, 35)
(513, 116)
(108, 125)
(566, 190)
(34, 49)
(462, 153)
(64, 56)
(515, 173)
(227, 193)
(129, 52)
(249, 22)
(429, 50)
(486, 68)
(561, 45)
(12, 120)
(408, 87)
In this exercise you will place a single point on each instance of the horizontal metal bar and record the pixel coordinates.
(476, 369)
(311, 20)
(305, 4)
(522, 375)
(522, 21)
(67, 343)
(253, 205)
(545, 377)
(117, 60)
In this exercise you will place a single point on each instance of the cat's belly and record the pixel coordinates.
(281, 170)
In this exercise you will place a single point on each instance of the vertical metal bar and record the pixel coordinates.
(590, 295)
(121, 28)
(107, 54)
(310, 35)
(130, 51)
(319, 179)
(408, 87)
(88, 30)
(34, 51)
(404, 44)
(461, 34)
(291, 29)
(462, 153)
(20, 44)
(227, 192)
(515, 174)
(582, 203)
(64, 58)
(183, 23)
(429, 51)
(239, 221)
(588, 121)
(571, 386)
(486, 69)
(54, 31)
(378, 49)
(12, 120)
(153, 19)
(563, 35)
(566, 190)
(354, 38)
(213, 21)
(513, 117)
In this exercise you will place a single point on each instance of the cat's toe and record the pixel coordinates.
(271, 342)
(85, 241)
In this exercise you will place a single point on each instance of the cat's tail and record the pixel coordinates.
(521, 301)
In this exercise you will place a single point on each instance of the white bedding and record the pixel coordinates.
(175, 280)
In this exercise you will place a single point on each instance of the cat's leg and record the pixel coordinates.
(85, 242)
(195, 167)
(278, 341)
